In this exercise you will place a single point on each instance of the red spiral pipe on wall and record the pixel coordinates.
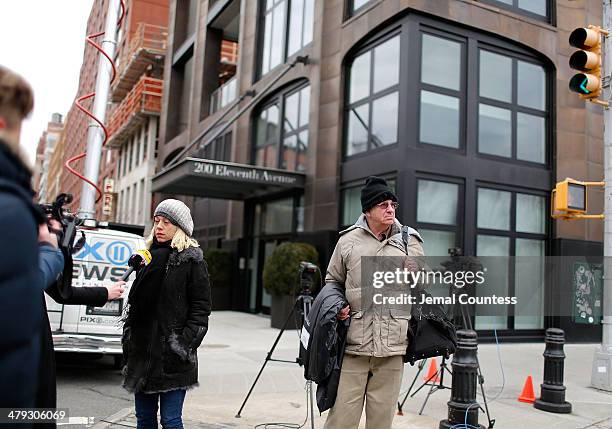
(83, 109)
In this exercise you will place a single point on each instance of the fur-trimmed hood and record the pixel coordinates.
(190, 254)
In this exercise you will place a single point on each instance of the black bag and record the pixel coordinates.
(430, 332)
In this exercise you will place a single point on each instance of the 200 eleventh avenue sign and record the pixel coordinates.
(224, 180)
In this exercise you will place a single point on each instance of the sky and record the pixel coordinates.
(43, 41)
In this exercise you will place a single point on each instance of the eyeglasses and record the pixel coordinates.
(384, 205)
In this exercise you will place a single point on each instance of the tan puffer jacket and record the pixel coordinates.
(371, 333)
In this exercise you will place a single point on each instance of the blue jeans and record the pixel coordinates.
(171, 409)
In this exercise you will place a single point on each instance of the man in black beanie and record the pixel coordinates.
(372, 367)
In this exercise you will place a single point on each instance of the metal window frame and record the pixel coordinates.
(515, 8)
(512, 236)
(372, 96)
(278, 98)
(411, 160)
(260, 35)
(459, 215)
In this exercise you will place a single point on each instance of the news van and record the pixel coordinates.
(102, 260)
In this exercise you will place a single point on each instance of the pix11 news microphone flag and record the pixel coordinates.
(139, 259)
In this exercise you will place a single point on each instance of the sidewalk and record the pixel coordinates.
(237, 343)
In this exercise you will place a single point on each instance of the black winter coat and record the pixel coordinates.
(326, 341)
(27, 357)
(21, 293)
(46, 396)
(169, 360)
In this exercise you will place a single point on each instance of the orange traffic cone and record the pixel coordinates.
(432, 374)
(527, 394)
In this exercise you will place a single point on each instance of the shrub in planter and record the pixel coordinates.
(280, 278)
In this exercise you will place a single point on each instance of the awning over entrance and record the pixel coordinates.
(224, 180)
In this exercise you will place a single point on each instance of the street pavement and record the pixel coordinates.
(236, 346)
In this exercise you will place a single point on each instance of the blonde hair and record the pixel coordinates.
(180, 241)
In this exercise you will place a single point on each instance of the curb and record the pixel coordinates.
(114, 418)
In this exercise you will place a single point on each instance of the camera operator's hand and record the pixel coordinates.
(115, 290)
(344, 313)
(46, 236)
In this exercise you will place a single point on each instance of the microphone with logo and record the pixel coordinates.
(139, 259)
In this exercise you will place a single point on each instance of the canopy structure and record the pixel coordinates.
(224, 180)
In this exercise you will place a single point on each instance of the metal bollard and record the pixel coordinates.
(465, 382)
(552, 396)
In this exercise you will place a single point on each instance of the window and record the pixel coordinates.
(441, 90)
(539, 9)
(293, 107)
(351, 202)
(120, 162)
(472, 107)
(186, 20)
(137, 148)
(130, 154)
(287, 28)
(219, 149)
(511, 108)
(510, 223)
(142, 202)
(437, 215)
(373, 98)
(295, 131)
(356, 5)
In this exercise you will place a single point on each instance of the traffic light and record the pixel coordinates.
(587, 60)
(569, 200)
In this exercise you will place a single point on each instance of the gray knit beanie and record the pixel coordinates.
(176, 212)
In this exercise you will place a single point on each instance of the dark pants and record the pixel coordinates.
(171, 409)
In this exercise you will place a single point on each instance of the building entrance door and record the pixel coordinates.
(273, 222)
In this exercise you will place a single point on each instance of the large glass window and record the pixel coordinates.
(287, 28)
(437, 212)
(512, 108)
(471, 109)
(372, 111)
(538, 9)
(441, 82)
(356, 6)
(512, 224)
(283, 143)
(219, 149)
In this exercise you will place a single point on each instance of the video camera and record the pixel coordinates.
(69, 222)
(308, 274)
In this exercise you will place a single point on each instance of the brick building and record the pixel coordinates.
(45, 183)
(76, 124)
(133, 119)
(139, 54)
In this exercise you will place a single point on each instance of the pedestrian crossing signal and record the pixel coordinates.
(569, 200)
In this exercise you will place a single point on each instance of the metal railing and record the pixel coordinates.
(151, 37)
(144, 98)
(223, 95)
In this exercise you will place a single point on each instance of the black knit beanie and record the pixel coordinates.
(375, 191)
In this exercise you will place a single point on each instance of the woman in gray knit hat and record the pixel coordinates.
(166, 319)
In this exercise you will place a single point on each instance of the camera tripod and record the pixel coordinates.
(431, 381)
(306, 302)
